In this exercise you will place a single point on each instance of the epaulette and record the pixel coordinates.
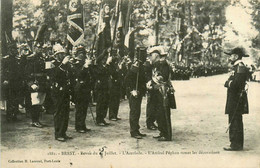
(242, 68)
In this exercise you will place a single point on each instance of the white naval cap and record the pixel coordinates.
(158, 49)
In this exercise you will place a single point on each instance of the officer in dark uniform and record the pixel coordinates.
(36, 80)
(61, 93)
(115, 70)
(237, 102)
(11, 82)
(82, 89)
(160, 85)
(135, 86)
(48, 58)
(24, 53)
(102, 86)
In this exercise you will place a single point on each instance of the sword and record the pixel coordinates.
(92, 114)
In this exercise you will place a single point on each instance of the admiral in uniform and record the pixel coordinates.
(161, 92)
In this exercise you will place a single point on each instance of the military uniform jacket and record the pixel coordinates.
(10, 71)
(102, 77)
(160, 76)
(115, 75)
(61, 76)
(131, 80)
(83, 82)
(236, 95)
(161, 72)
(35, 73)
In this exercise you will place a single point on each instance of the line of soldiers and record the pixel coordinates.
(42, 80)
(53, 81)
(50, 79)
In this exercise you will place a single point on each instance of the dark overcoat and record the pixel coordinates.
(236, 94)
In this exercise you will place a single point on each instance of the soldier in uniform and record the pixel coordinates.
(36, 80)
(136, 89)
(237, 103)
(160, 85)
(114, 88)
(48, 58)
(102, 86)
(61, 93)
(82, 89)
(11, 82)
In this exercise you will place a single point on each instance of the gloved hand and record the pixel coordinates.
(149, 85)
(134, 93)
(87, 63)
(109, 60)
(34, 87)
(227, 83)
(5, 82)
(66, 60)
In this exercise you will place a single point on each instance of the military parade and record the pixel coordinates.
(92, 80)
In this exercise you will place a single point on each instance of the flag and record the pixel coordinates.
(129, 28)
(40, 33)
(127, 37)
(103, 32)
(75, 34)
(118, 36)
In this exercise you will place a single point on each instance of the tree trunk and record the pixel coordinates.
(6, 23)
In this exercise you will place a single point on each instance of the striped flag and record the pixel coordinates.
(104, 31)
(75, 20)
(129, 29)
(118, 37)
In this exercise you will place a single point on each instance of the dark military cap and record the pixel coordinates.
(239, 51)
(80, 49)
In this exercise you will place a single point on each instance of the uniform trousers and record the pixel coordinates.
(81, 104)
(150, 110)
(236, 131)
(163, 115)
(61, 100)
(135, 112)
(114, 101)
(102, 105)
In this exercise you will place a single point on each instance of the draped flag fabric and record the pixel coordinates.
(129, 28)
(119, 24)
(104, 31)
(75, 20)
